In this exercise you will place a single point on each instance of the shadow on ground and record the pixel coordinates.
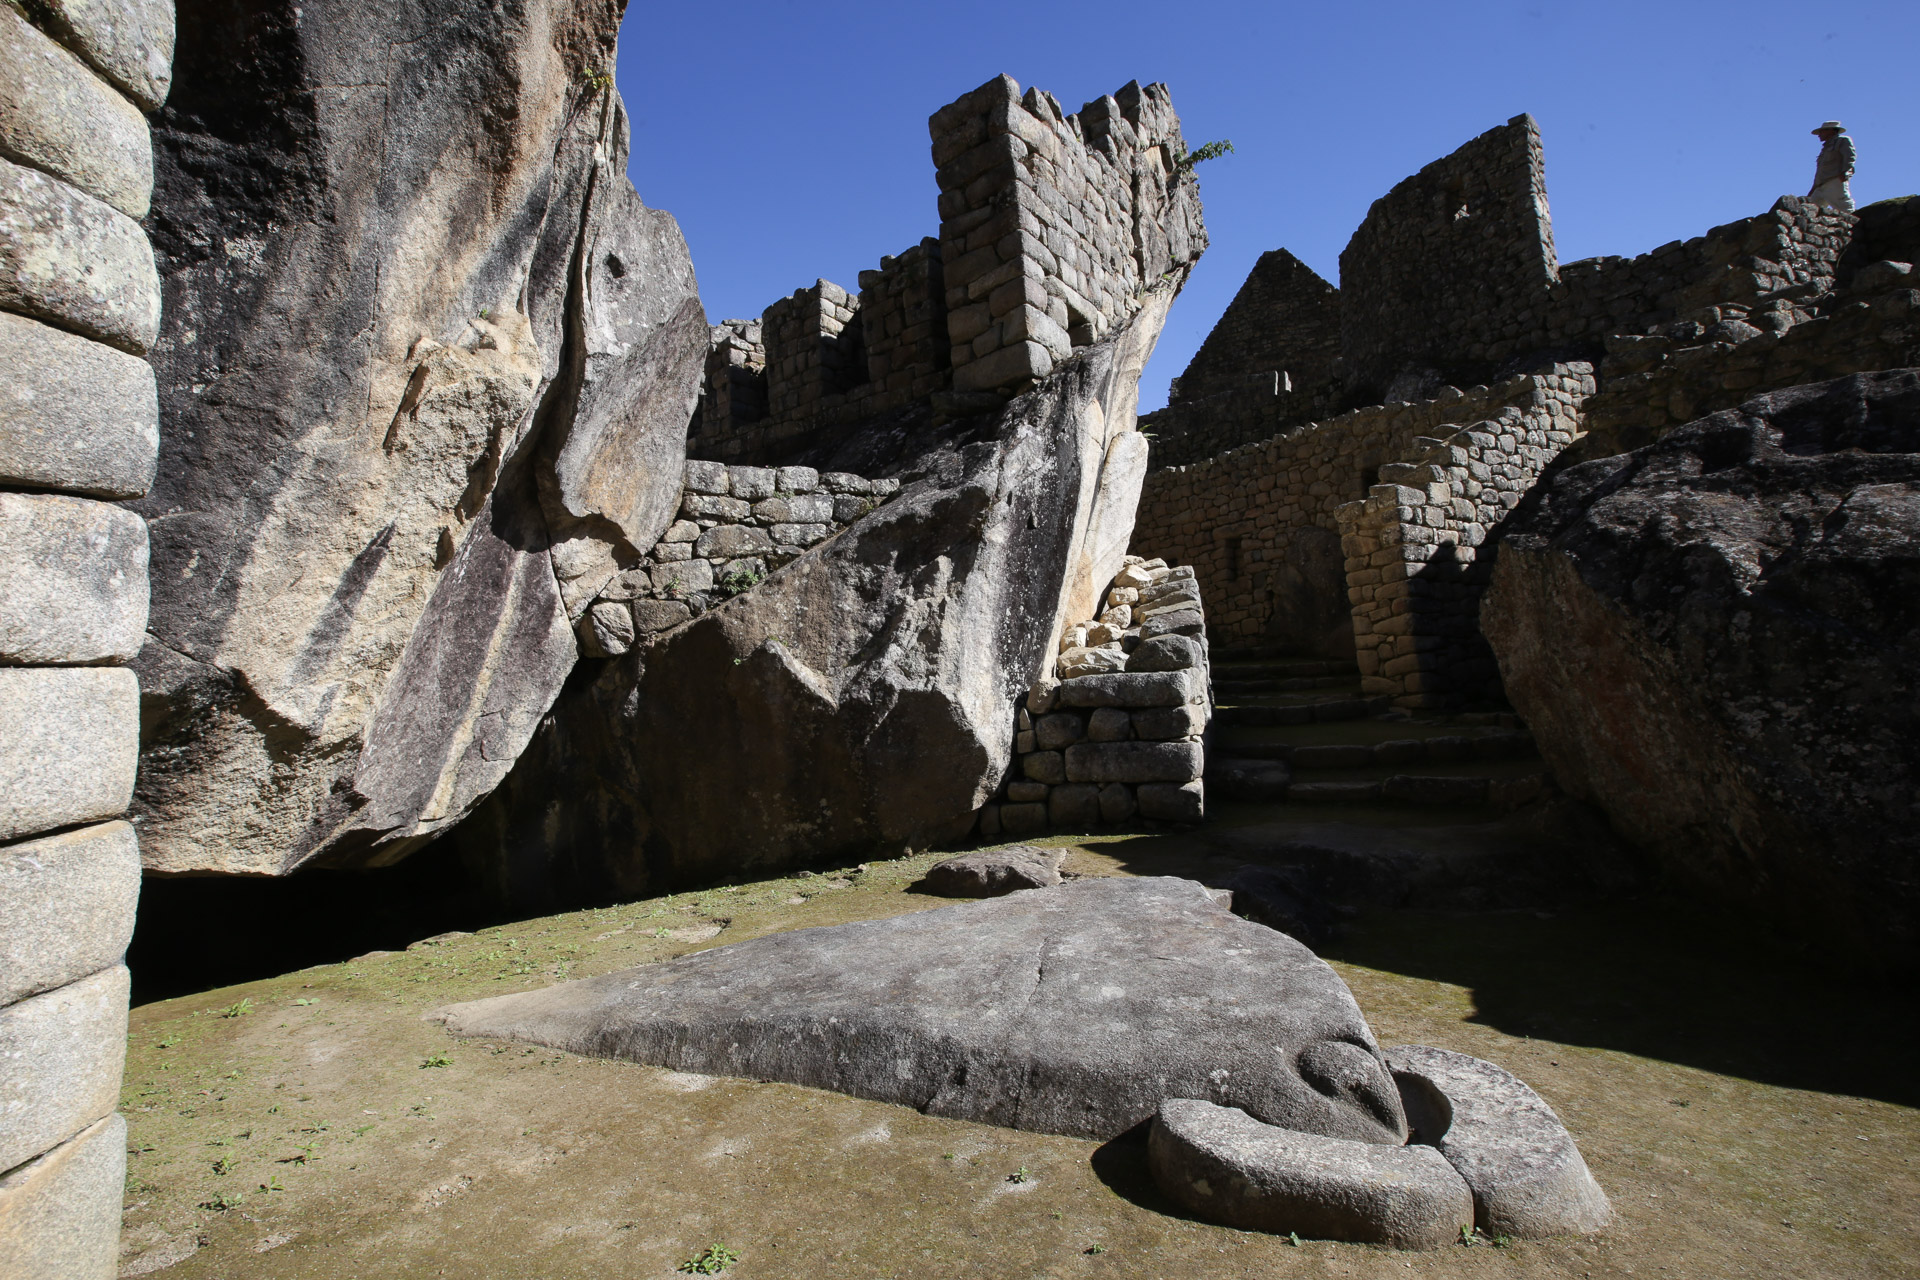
(1647, 971)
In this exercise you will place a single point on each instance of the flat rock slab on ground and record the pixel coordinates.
(1074, 1010)
(988, 873)
(1526, 1174)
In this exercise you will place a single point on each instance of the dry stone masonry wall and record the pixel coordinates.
(1052, 227)
(1260, 524)
(1115, 731)
(736, 525)
(1416, 547)
(79, 427)
(1368, 531)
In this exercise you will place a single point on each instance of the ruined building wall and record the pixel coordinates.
(79, 427)
(1417, 547)
(1452, 264)
(1260, 524)
(903, 307)
(1051, 227)
(1052, 224)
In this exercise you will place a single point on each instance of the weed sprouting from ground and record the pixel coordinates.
(710, 1261)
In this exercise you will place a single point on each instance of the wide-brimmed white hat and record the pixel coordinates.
(1831, 124)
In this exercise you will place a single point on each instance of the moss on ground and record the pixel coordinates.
(1747, 1114)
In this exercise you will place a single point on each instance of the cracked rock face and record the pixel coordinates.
(1071, 1010)
(425, 371)
(1713, 639)
(859, 701)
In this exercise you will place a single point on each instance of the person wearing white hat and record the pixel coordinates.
(1834, 167)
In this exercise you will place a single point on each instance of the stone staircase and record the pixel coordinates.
(1299, 731)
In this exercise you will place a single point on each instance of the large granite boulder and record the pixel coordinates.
(425, 372)
(1071, 1010)
(859, 702)
(1714, 638)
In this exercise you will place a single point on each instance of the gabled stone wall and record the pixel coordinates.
(79, 428)
(1452, 264)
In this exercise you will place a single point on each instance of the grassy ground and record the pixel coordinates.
(1748, 1114)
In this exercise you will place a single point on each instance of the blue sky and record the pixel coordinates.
(790, 139)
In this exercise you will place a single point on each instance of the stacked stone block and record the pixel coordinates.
(1251, 515)
(903, 306)
(1447, 266)
(1055, 225)
(1416, 562)
(1051, 225)
(1723, 356)
(79, 306)
(1115, 732)
(737, 524)
(813, 351)
(733, 397)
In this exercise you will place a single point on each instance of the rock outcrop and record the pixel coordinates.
(861, 699)
(1070, 1010)
(1712, 638)
(425, 377)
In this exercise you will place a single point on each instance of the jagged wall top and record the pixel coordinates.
(1053, 225)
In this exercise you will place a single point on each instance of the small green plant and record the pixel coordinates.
(169, 1042)
(1093, 1249)
(437, 1060)
(710, 1261)
(732, 583)
(599, 81)
(1022, 1174)
(1184, 160)
(223, 1166)
(270, 1185)
(1294, 1237)
(238, 1009)
(223, 1202)
(304, 1001)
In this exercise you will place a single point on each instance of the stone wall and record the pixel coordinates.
(1418, 547)
(737, 524)
(79, 427)
(1052, 226)
(1731, 354)
(1114, 732)
(1260, 523)
(1449, 265)
(733, 397)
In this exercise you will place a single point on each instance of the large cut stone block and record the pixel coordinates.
(74, 414)
(76, 261)
(68, 903)
(1134, 761)
(71, 745)
(61, 1054)
(60, 1215)
(58, 116)
(1228, 1167)
(1129, 689)
(73, 580)
(130, 42)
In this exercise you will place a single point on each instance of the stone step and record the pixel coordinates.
(1247, 714)
(1424, 789)
(1401, 748)
(1225, 683)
